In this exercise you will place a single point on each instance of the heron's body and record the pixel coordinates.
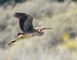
(25, 22)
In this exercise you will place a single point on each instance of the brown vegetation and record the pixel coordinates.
(62, 17)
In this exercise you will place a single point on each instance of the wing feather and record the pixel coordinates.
(26, 24)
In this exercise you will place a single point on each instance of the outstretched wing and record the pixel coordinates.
(25, 22)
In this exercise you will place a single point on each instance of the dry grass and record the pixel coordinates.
(62, 17)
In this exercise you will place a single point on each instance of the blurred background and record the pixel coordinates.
(60, 43)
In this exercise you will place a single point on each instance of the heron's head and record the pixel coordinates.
(40, 33)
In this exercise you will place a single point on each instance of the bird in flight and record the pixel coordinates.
(27, 28)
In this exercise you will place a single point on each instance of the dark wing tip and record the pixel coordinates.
(19, 15)
(25, 21)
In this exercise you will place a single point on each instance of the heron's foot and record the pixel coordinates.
(20, 37)
(11, 42)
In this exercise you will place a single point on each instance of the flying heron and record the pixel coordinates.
(25, 22)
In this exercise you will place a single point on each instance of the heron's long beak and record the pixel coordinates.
(46, 28)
